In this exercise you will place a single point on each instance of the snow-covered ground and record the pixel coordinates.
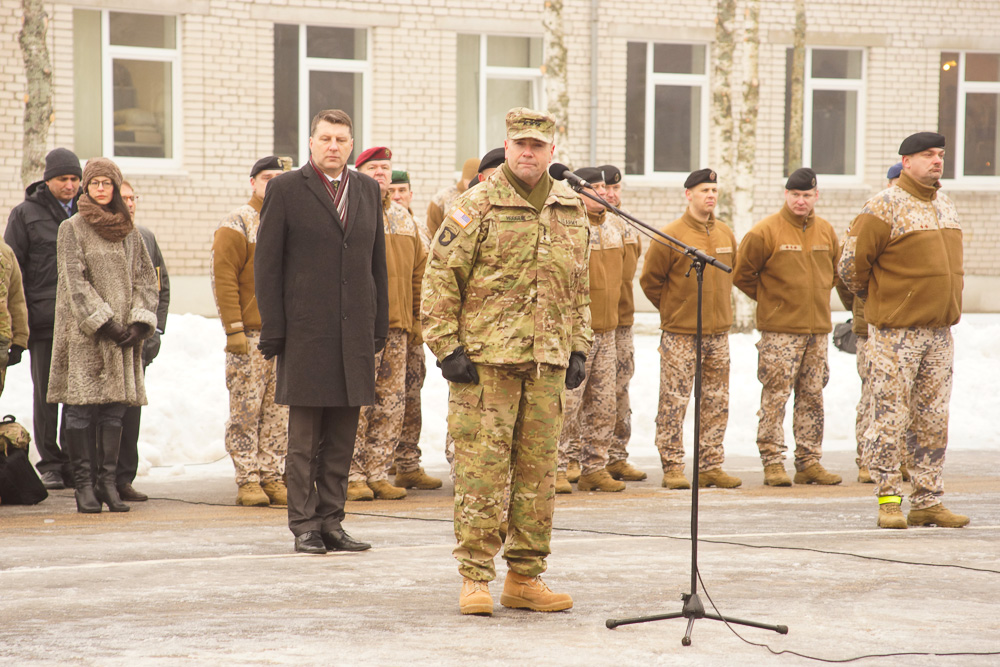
(188, 401)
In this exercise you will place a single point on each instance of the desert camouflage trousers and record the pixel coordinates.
(911, 375)
(589, 424)
(508, 425)
(257, 428)
(380, 424)
(785, 363)
(625, 352)
(864, 418)
(677, 361)
(407, 454)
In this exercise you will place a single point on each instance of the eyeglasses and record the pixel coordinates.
(101, 184)
(133, 198)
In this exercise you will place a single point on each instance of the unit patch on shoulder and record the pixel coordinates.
(461, 217)
(447, 235)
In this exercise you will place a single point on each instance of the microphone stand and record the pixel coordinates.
(693, 609)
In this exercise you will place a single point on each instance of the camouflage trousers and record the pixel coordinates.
(589, 424)
(507, 425)
(677, 361)
(380, 424)
(257, 428)
(785, 363)
(625, 352)
(407, 454)
(911, 375)
(865, 409)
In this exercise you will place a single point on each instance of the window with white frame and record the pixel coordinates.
(317, 68)
(969, 113)
(495, 74)
(832, 115)
(666, 108)
(127, 86)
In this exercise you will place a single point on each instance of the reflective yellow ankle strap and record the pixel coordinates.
(890, 499)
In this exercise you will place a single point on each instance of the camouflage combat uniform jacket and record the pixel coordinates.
(507, 282)
(13, 311)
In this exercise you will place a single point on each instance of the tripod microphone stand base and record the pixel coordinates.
(693, 610)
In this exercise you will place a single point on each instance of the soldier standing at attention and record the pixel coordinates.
(444, 197)
(589, 410)
(506, 310)
(381, 424)
(13, 312)
(787, 264)
(672, 287)
(903, 256)
(257, 429)
(618, 465)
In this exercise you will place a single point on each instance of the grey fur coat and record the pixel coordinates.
(99, 280)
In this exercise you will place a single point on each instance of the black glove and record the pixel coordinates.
(576, 373)
(271, 347)
(14, 357)
(457, 367)
(114, 331)
(150, 348)
(136, 332)
(379, 344)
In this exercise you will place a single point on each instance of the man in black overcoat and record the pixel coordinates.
(322, 290)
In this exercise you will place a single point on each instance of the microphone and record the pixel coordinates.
(561, 172)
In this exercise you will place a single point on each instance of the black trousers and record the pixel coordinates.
(320, 447)
(128, 454)
(46, 415)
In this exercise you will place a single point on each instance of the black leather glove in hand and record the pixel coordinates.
(114, 331)
(379, 344)
(136, 332)
(271, 347)
(576, 373)
(150, 348)
(15, 355)
(457, 367)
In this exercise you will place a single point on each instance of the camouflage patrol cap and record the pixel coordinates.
(523, 123)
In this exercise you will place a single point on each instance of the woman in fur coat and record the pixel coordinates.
(105, 307)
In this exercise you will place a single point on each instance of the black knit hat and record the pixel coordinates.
(62, 162)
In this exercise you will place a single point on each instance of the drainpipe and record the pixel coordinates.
(594, 25)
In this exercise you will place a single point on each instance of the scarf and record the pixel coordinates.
(110, 225)
(337, 194)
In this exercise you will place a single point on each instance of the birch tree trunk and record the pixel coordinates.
(556, 77)
(722, 104)
(38, 99)
(797, 92)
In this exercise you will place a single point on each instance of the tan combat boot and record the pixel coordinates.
(475, 597)
(276, 492)
(392, 469)
(936, 515)
(573, 472)
(562, 484)
(359, 491)
(675, 479)
(817, 474)
(864, 476)
(251, 495)
(417, 479)
(599, 481)
(775, 475)
(383, 490)
(717, 478)
(520, 592)
(625, 471)
(890, 515)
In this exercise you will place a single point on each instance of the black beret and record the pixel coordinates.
(801, 179)
(611, 174)
(590, 174)
(699, 177)
(265, 163)
(921, 141)
(492, 160)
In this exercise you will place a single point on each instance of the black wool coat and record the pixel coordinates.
(322, 288)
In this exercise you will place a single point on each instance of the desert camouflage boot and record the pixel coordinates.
(599, 481)
(562, 484)
(359, 491)
(625, 471)
(675, 479)
(775, 475)
(573, 472)
(521, 592)
(890, 515)
(251, 495)
(936, 515)
(276, 492)
(817, 474)
(417, 479)
(475, 597)
(719, 478)
(383, 490)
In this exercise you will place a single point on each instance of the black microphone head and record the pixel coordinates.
(558, 171)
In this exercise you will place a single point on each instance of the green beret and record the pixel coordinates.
(801, 179)
(921, 141)
(400, 177)
(699, 177)
(611, 174)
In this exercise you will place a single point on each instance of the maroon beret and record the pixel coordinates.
(374, 153)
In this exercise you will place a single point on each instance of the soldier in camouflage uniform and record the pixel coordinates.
(380, 425)
(787, 263)
(13, 312)
(505, 310)
(668, 283)
(618, 466)
(443, 198)
(257, 429)
(903, 255)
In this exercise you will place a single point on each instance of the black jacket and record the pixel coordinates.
(31, 232)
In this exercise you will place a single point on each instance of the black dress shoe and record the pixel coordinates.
(309, 543)
(52, 480)
(128, 493)
(338, 540)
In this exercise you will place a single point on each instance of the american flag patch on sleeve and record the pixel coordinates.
(461, 217)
